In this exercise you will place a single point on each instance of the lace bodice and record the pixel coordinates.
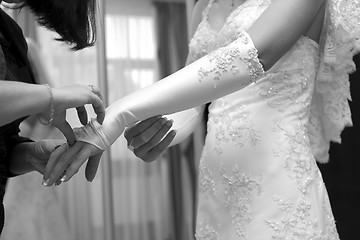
(206, 39)
(258, 178)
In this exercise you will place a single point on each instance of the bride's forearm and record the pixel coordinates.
(226, 70)
(222, 72)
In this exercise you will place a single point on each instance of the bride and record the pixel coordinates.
(276, 74)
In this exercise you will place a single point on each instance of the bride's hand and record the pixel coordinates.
(66, 161)
(149, 138)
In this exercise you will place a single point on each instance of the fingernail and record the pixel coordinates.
(131, 148)
(173, 133)
(45, 183)
(63, 178)
(163, 121)
(169, 123)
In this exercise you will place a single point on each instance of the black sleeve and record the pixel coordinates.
(10, 143)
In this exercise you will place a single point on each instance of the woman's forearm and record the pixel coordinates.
(21, 99)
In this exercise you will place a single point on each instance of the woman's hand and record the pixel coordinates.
(66, 161)
(148, 139)
(39, 153)
(75, 96)
(32, 156)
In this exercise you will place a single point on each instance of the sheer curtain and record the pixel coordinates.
(173, 39)
(141, 190)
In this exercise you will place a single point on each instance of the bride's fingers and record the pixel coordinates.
(139, 128)
(156, 151)
(150, 132)
(156, 138)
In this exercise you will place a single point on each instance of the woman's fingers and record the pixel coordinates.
(66, 129)
(82, 114)
(77, 160)
(53, 160)
(92, 167)
(97, 103)
(59, 163)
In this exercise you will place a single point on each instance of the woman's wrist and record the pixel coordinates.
(51, 107)
(47, 116)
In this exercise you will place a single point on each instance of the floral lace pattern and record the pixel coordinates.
(204, 231)
(298, 159)
(330, 111)
(258, 178)
(206, 178)
(240, 132)
(281, 89)
(240, 189)
(225, 60)
(296, 222)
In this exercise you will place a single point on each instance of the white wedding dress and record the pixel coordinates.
(258, 177)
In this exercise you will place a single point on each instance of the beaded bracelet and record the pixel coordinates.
(52, 110)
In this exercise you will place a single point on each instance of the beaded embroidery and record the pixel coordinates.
(235, 126)
(225, 60)
(206, 180)
(240, 189)
(296, 222)
(205, 231)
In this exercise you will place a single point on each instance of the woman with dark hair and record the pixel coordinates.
(21, 97)
(73, 20)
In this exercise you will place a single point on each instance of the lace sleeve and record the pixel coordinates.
(330, 111)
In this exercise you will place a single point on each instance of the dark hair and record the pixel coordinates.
(73, 20)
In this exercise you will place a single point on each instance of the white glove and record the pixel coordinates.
(224, 71)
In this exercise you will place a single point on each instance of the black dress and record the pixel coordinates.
(14, 66)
